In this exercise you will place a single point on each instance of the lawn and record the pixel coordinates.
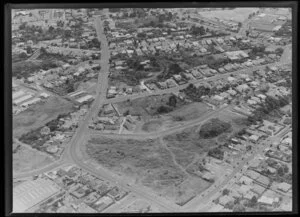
(39, 114)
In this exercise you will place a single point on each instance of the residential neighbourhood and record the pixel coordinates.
(152, 110)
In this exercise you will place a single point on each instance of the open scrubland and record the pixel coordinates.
(39, 114)
(149, 163)
(156, 112)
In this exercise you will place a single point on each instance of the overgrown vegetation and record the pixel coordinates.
(270, 105)
(213, 128)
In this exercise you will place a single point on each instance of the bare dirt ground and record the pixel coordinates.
(39, 114)
(27, 159)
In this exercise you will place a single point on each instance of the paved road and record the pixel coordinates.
(169, 131)
(81, 135)
(73, 153)
(197, 204)
(83, 129)
(180, 87)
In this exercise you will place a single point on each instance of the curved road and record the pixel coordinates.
(72, 152)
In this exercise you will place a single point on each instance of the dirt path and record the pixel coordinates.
(196, 158)
(173, 156)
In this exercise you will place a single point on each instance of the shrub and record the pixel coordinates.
(213, 128)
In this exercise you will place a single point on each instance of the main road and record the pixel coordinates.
(197, 204)
(81, 132)
(72, 153)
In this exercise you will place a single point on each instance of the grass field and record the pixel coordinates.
(147, 163)
(147, 107)
(39, 114)
(189, 141)
(190, 111)
(27, 159)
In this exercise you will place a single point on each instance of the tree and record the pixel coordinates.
(280, 171)
(23, 26)
(279, 50)
(172, 101)
(239, 208)
(126, 113)
(29, 50)
(175, 68)
(201, 30)
(23, 55)
(51, 28)
(253, 200)
(225, 192)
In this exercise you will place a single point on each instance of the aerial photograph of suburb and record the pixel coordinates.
(152, 110)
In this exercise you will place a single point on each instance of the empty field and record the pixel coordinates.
(146, 107)
(147, 163)
(39, 114)
(189, 141)
(155, 118)
(26, 159)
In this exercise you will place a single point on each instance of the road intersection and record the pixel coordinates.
(72, 152)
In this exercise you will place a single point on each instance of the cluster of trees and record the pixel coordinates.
(165, 17)
(216, 153)
(114, 10)
(164, 109)
(94, 43)
(31, 137)
(25, 69)
(194, 93)
(216, 63)
(213, 128)
(141, 35)
(285, 30)
(270, 105)
(36, 33)
(253, 14)
(195, 30)
(173, 69)
(257, 51)
(19, 57)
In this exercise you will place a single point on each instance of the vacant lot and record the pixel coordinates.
(237, 122)
(39, 114)
(190, 111)
(152, 119)
(146, 107)
(146, 162)
(26, 159)
(150, 126)
(189, 141)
